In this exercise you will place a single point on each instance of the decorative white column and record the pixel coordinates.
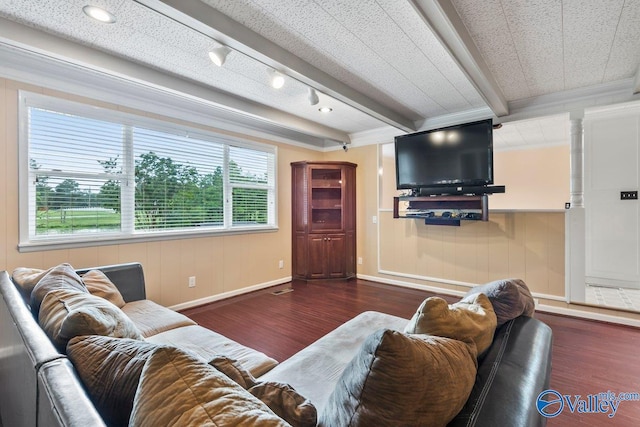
(577, 157)
(575, 232)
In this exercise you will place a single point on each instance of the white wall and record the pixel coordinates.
(612, 160)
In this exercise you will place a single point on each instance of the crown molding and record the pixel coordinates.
(605, 94)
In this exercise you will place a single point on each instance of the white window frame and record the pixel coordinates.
(29, 242)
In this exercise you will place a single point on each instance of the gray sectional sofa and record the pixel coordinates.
(39, 386)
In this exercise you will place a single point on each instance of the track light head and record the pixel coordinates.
(313, 96)
(344, 147)
(219, 54)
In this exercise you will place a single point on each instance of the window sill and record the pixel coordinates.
(83, 242)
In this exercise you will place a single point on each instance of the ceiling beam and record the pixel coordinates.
(446, 24)
(213, 23)
(221, 105)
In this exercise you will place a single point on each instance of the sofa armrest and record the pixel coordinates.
(62, 399)
(128, 278)
(515, 370)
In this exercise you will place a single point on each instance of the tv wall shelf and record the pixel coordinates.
(442, 210)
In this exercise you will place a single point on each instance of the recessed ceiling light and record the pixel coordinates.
(219, 55)
(99, 14)
(325, 109)
(277, 80)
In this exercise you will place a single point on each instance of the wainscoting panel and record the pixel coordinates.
(526, 245)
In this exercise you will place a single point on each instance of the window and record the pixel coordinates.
(91, 174)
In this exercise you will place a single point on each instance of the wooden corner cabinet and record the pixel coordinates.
(323, 217)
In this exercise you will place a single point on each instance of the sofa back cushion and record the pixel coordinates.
(67, 313)
(398, 379)
(110, 369)
(178, 389)
(471, 320)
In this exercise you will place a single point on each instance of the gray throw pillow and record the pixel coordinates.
(510, 298)
(62, 276)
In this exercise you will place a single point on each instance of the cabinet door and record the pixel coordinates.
(316, 261)
(335, 255)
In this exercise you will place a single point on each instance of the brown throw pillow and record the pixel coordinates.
(98, 284)
(287, 403)
(178, 389)
(234, 370)
(28, 278)
(281, 398)
(62, 276)
(67, 313)
(402, 380)
(470, 320)
(110, 369)
(510, 298)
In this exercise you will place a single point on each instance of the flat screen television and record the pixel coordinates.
(454, 156)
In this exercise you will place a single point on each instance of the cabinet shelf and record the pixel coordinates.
(442, 210)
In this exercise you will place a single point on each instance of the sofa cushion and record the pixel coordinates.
(98, 284)
(66, 313)
(28, 278)
(178, 389)
(152, 318)
(62, 276)
(287, 403)
(315, 370)
(110, 369)
(207, 344)
(510, 298)
(471, 319)
(399, 379)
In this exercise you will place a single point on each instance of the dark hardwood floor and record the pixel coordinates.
(588, 357)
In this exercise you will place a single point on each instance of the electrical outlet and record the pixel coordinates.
(192, 281)
(536, 302)
(374, 219)
(360, 260)
(281, 264)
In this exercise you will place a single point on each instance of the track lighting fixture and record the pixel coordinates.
(344, 147)
(313, 96)
(219, 54)
(277, 80)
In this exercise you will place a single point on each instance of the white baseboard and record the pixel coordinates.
(539, 307)
(588, 315)
(224, 295)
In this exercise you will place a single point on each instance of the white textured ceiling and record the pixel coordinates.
(381, 61)
(537, 47)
